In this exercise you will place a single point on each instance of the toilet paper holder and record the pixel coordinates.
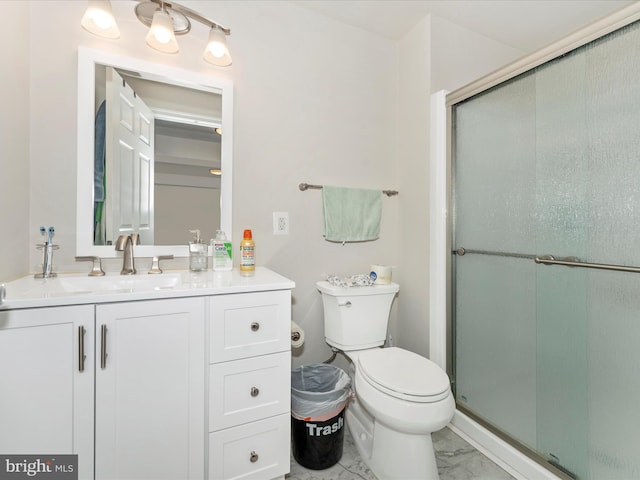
(297, 335)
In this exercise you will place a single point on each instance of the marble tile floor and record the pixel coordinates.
(457, 460)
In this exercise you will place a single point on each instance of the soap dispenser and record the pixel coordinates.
(197, 253)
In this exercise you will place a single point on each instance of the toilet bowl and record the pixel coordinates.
(400, 396)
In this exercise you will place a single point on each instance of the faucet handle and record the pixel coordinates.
(155, 263)
(96, 271)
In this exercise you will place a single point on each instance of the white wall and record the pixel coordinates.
(412, 327)
(316, 101)
(435, 55)
(14, 142)
(460, 56)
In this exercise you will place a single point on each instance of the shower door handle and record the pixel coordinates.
(549, 260)
(574, 262)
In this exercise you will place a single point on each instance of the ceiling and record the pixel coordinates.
(526, 25)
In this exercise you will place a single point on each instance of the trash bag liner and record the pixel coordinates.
(318, 391)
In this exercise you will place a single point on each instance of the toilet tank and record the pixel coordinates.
(356, 318)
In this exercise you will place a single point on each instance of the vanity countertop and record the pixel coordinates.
(76, 289)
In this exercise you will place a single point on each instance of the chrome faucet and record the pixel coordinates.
(125, 244)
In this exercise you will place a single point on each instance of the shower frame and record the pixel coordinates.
(499, 445)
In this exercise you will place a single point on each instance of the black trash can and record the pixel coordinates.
(319, 395)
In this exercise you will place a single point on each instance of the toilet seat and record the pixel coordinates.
(404, 374)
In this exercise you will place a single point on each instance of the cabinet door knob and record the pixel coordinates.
(255, 391)
(253, 457)
(255, 326)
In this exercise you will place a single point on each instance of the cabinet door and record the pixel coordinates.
(150, 390)
(46, 399)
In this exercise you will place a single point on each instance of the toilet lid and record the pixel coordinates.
(404, 374)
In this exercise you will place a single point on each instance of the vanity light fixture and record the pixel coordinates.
(161, 36)
(165, 20)
(98, 19)
(217, 52)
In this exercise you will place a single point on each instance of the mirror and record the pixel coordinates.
(170, 182)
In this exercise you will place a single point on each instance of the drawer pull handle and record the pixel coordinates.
(253, 457)
(255, 326)
(255, 391)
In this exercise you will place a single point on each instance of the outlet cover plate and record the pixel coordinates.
(281, 223)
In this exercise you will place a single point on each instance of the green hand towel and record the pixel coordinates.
(351, 214)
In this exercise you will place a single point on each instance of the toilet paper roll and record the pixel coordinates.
(381, 274)
(297, 335)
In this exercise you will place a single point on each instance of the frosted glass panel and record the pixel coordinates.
(496, 342)
(613, 114)
(561, 164)
(549, 163)
(562, 413)
(495, 145)
(614, 375)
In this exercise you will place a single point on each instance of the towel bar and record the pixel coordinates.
(306, 186)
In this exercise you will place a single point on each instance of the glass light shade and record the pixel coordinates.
(217, 52)
(161, 36)
(98, 19)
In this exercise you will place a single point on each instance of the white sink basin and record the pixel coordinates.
(67, 285)
(111, 283)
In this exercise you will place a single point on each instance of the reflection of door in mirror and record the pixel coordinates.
(128, 185)
(162, 169)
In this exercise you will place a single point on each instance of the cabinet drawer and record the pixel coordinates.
(246, 390)
(251, 324)
(257, 450)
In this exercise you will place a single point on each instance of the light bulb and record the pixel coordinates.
(101, 19)
(98, 19)
(216, 51)
(161, 36)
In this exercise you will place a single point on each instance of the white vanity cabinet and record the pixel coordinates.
(249, 385)
(150, 398)
(146, 379)
(46, 382)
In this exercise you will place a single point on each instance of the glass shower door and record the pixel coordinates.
(548, 163)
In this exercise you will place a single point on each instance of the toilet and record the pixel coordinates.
(400, 397)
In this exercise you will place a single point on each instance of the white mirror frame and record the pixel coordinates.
(87, 60)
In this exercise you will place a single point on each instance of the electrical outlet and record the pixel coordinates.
(281, 223)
